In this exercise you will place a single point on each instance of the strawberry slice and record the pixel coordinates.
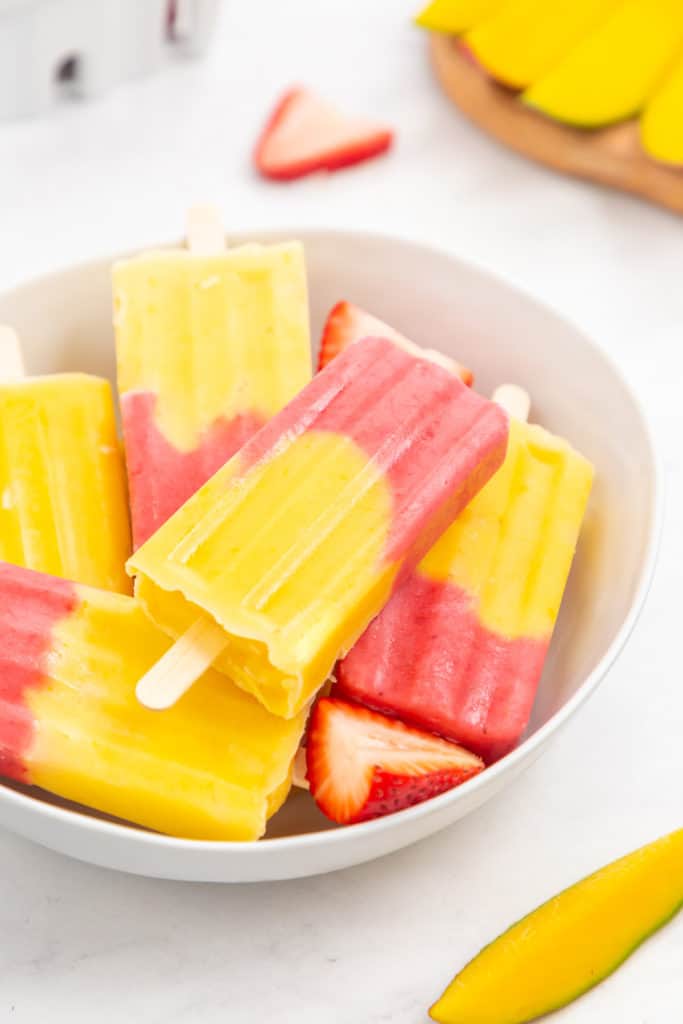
(305, 134)
(348, 323)
(362, 765)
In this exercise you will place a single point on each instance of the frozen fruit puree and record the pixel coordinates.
(214, 767)
(209, 347)
(297, 543)
(63, 505)
(460, 647)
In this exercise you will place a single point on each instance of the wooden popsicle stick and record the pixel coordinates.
(515, 400)
(196, 650)
(189, 657)
(11, 360)
(204, 231)
(299, 771)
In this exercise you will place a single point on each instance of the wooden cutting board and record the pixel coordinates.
(611, 156)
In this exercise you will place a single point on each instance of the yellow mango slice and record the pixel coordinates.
(455, 16)
(571, 943)
(524, 39)
(661, 126)
(612, 73)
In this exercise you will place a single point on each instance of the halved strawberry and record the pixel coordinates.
(361, 764)
(305, 134)
(348, 323)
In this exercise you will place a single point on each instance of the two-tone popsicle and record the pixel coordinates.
(214, 767)
(210, 344)
(277, 565)
(459, 650)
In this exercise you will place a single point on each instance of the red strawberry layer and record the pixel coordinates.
(427, 659)
(160, 477)
(437, 441)
(31, 604)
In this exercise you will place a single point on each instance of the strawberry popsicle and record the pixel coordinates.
(460, 648)
(214, 767)
(277, 565)
(210, 344)
(63, 504)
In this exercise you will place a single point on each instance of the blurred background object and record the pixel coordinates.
(593, 88)
(53, 48)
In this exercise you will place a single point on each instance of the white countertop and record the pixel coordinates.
(379, 942)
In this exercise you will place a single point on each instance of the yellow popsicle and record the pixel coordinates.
(63, 505)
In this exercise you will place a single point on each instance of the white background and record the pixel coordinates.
(376, 943)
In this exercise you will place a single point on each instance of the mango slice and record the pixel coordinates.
(661, 126)
(455, 16)
(614, 70)
(525, 39)
(570, 943)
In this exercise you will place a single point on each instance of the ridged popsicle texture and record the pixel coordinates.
(213, 767)
(299, 540)
(208, 349)
(63, 504)
(459, 650)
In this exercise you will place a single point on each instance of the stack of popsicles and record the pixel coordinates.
(381, 518)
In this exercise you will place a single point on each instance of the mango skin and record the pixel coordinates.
(571, 943)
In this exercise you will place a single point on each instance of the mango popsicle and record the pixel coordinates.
(460, 648)
(214, 767)
(210, 344)
(63, 505)
(280, 561)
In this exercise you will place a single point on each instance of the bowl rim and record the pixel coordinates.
(531, 745)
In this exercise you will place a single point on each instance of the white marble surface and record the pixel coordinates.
(375, 943)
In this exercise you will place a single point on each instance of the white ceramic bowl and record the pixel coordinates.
(64, 320)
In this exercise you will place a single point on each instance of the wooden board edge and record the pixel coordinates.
(611, 156)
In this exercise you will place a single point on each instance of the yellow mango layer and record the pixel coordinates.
(661, 126)
(612, 72)
(455, 16)
(524, 39)
(214, 766)
(288, 599)
(212, 337)
(571, 943)
(512, 547)
(63, 504)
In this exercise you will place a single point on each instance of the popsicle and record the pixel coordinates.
(460, 648)
(63, 504)
(210, 344)
(214, 767)
(276, 566)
